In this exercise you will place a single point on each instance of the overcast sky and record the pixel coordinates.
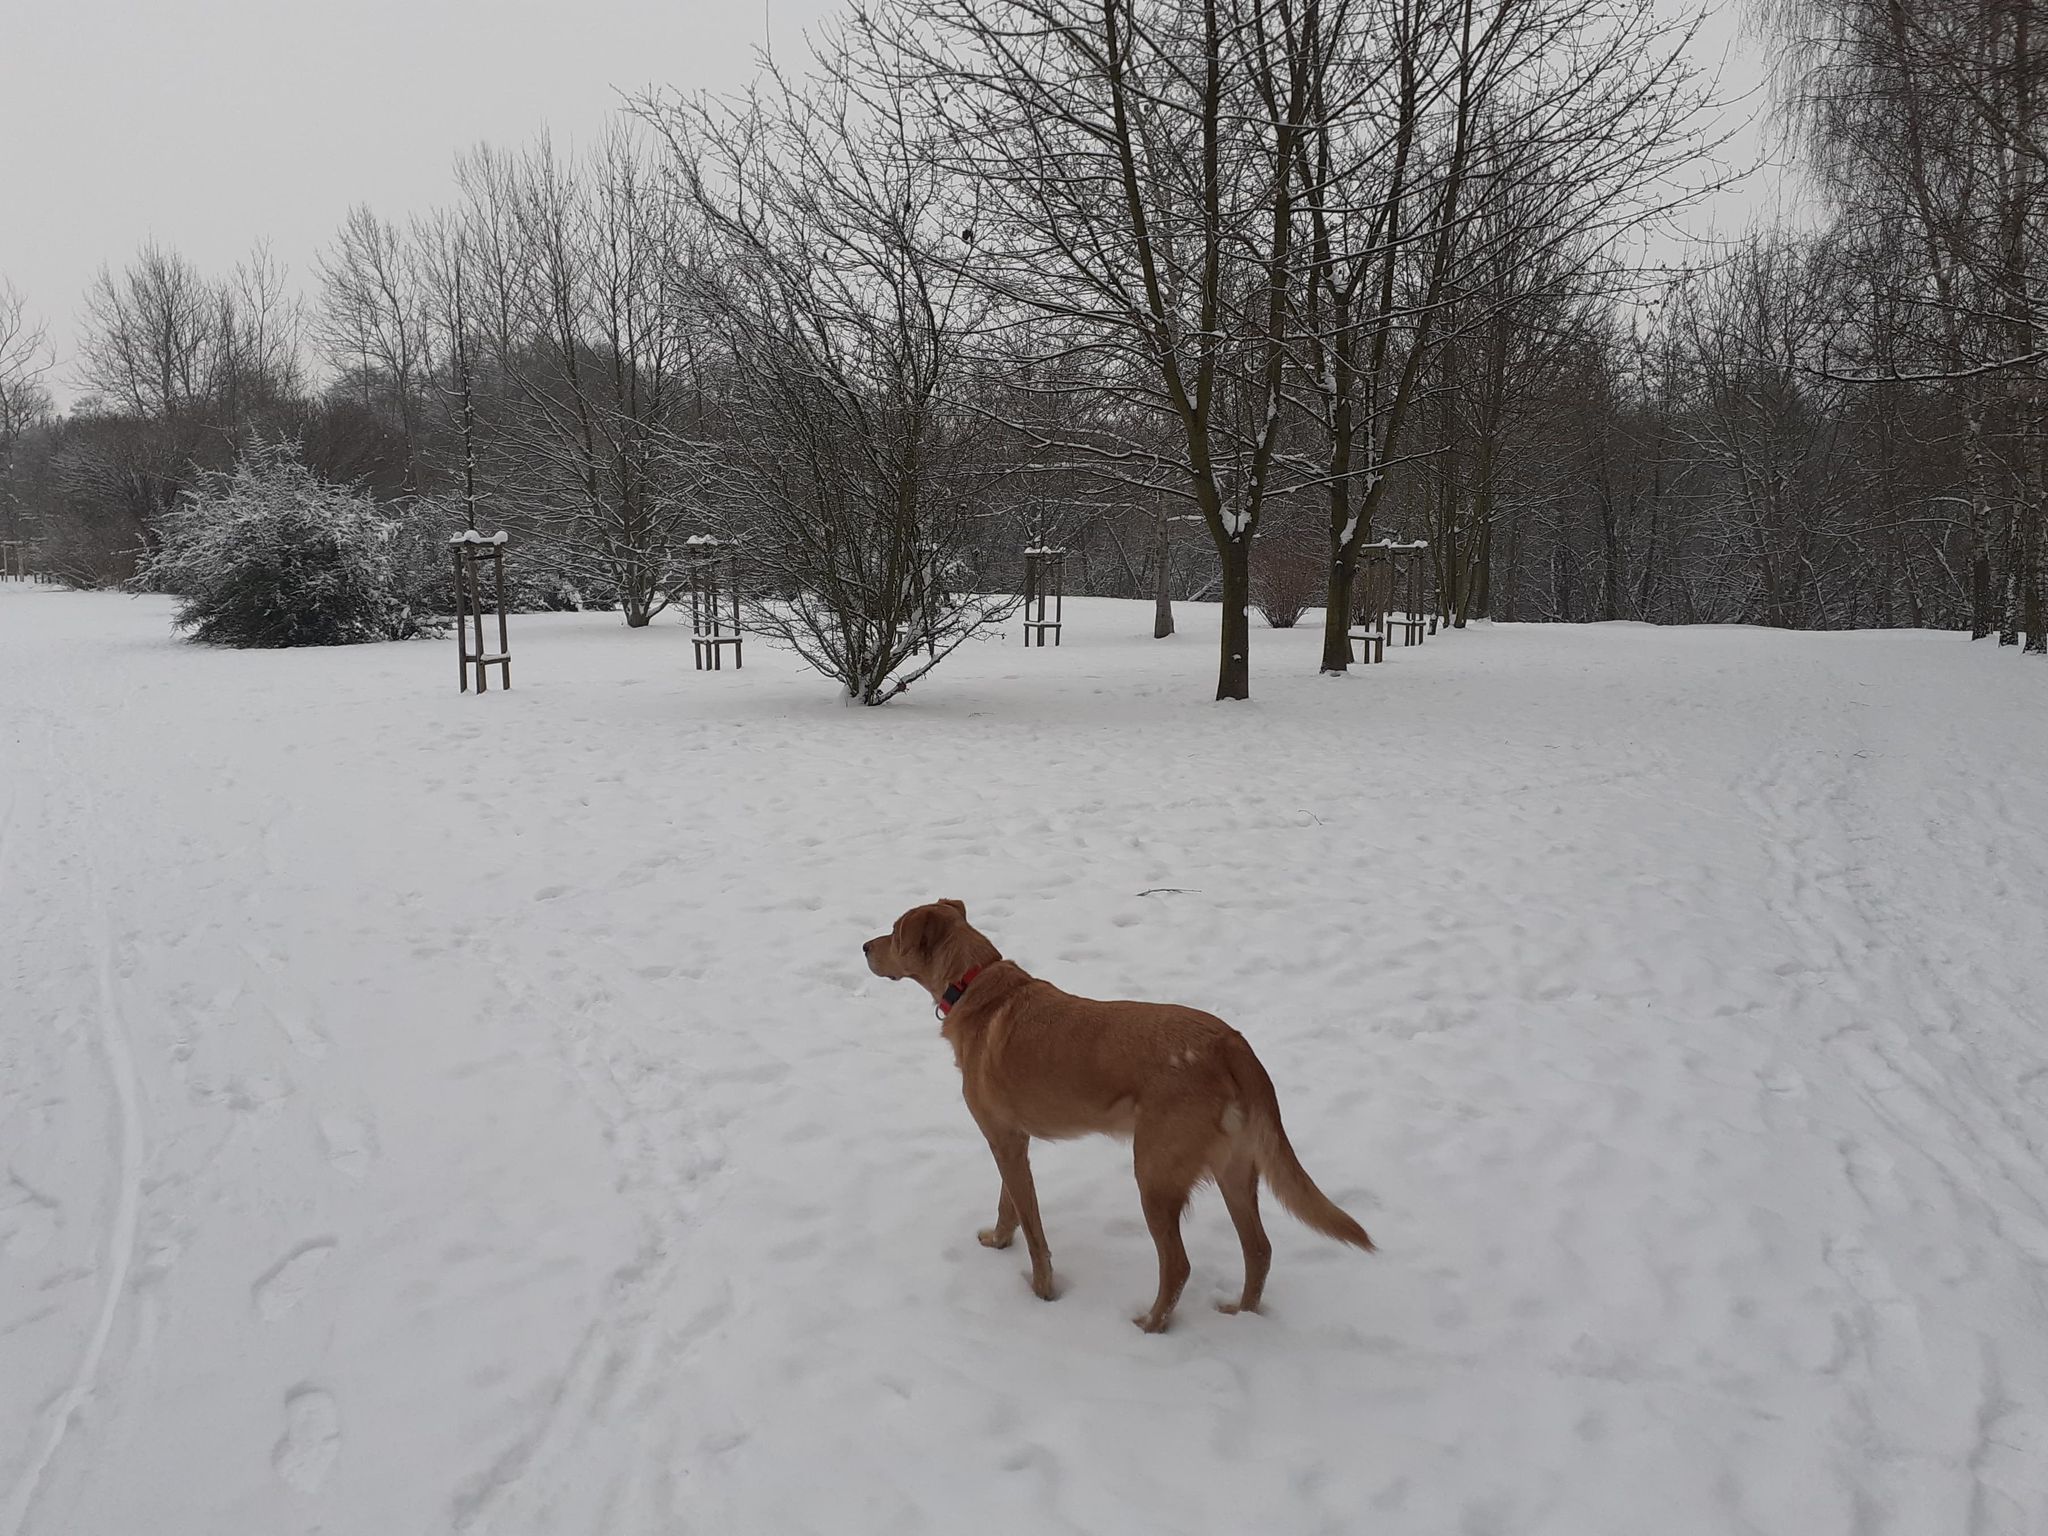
(210, 124)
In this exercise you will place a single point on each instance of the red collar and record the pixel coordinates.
(956, 991)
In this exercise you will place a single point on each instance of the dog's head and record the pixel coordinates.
(919, 939)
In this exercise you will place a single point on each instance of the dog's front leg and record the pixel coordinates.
(999, 1235)
(1012, 1151)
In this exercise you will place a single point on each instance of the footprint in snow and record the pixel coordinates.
(307, 1039)
(348, 1144)
(282, 1287)
(311, 1441)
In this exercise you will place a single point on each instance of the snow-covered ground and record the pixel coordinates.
(425, 1113)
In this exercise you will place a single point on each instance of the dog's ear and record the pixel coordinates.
(957, 906)
(923, 929)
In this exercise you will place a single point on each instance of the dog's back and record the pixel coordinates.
(1056, 1066)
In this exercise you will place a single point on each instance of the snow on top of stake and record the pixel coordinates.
(471, 536)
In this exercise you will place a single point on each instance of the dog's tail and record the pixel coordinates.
(1274, 1154)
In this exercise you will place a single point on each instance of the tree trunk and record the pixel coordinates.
(2035, 606)
(1980, 518)
(1337, 618)
(1513, 587)
(1233, 667)
(2034, 601)
(2009, 595)
(1476, 588)
(2025, 65)
(1980, 578)
(1447, 565)
(1162, 579)
(1348, 534)
(1482, 603)
(1610, 557)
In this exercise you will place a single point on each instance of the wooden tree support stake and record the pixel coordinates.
(1045, 580)
(714, 602)
(472, 551)
(1389, 571)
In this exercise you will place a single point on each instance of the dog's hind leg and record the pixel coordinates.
(1239, 1180)
(999, 1235)
(1168, 1156)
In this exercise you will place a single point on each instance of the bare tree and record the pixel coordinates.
(1932, 114)
(570, 281)
(190, 367)
(1469, 145)
(1246, 217)
(445, 262)
(854, 469)
(373, 323)
(24, 401)
(1526, 301)
(163, 343)
(258, 364)
(149, 337)
(24, 359)
(1758, 330)
(1134, 159)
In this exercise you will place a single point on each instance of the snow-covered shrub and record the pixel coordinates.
(547, 577)
(269, 554)
(549, 593)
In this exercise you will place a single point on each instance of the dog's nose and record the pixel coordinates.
(868, 948)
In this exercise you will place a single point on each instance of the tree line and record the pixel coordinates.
(1214, 293)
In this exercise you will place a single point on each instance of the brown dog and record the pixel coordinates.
(1183, 1085)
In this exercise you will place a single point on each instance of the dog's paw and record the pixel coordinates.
(1149, 1323)
(1044, 1287)
(991, 1238)
(1233, 1309)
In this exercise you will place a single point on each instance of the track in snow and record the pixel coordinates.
(127, 1171)
(527, 1149)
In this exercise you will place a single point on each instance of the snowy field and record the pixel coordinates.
(431, 1114)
